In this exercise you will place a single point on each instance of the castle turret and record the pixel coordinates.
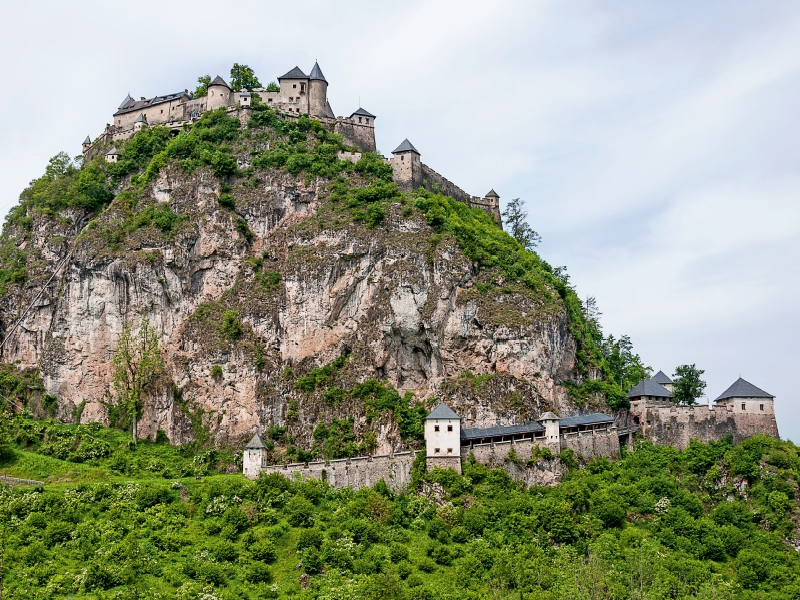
(253, 457)
(244, 98)
(112, 155)
(317, 93)
(443, 438)
(552, 430)
(87, 143)
(294, 92)
(406, 166)
(664, 381)
(219, 94)
(140, 122)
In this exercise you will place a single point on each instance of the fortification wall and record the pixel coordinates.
(353, 134)
(434, 182)
(363, 471)
(676, 425)
(592, 443)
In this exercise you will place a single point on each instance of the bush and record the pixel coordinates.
(310, 538)
(258, 572)
(300, 512)
(235, 518)
(426, 565)
(231, 326)
(215, 371)
(225, 551)
(152, 495)
(264, 550)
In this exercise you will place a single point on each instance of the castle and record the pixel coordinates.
(741, 411)
(299, 94)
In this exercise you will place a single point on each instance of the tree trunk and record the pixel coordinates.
(135, 430)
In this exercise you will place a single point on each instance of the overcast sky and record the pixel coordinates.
(656, 144)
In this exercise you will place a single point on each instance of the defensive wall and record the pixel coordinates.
(666, 423)
(433, 181)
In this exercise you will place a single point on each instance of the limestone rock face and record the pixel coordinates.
(403, 305)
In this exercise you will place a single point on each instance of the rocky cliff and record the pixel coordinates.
(259, 275)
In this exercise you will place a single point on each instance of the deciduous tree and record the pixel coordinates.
(243, 78)
(688, 385)
(516, 219)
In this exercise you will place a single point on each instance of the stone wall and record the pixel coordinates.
(434, 182)
(592, 443)
(363, 471)
(668, 424)
(353, 134)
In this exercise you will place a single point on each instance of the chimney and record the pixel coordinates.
(143, 98)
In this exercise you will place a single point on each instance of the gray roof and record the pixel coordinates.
(328, 112)
(743, 389)
(219, 81)
(442, 412)
(362, 113)
(661, 378)
(477, 433)
(295, 73)
(141, 119)
(88, 140)
(590, 419)
(244, 94)
(256, 443)
(548, 416)
(316, 73)
(132, 105)
(112, 152)
(491, 194)
(406, 146)
(648, 387)
(127, 99)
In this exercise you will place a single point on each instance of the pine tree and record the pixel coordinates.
(516, 219)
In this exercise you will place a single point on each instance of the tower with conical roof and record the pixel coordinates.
(254, 457)
(219, 94)
(317, 93)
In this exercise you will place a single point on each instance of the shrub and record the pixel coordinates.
(426, 565)
(225, 551)
(398, 552)
(153, 495)
(215, 371)
(300, 512)
(161, 437)
(258, 572)
(231, 326)
(264, 550)
(310, 538)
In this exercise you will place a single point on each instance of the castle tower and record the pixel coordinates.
(443, 438)
(492, 201)
(87, 143)
(244, 99)
(552, 431)
(219, 94)
(406, 166)
(253, 457)
(664, 381)
(743, 397)
(317, 93)
(112, 155)
(140, 122)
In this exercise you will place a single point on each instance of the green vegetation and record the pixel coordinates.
(688, 385)
(515, 220)
(243, 78)
(201, 91)
(120, 521)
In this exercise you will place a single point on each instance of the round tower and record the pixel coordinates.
(219, 94)
(317, 93)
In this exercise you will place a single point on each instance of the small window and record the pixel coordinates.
(302, 87)
(291, 98)
(359, 119)
(743, 405)
(449, 450)
(761, 406)
(436, 450)
(269, 99)
(294, 85)
(436, 428)
(367, 121)
(449, 428)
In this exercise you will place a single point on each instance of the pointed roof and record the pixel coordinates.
(406, 146)
(88, 140)
(648, 387)
(295, 73)
(219, 81)
(362, 113)
(316, 73)
(256, 443)
(443, 412)
(491, 194)
(743, 389)
(141, 118)
(112, 152)
(127, 99)
(328, 112)
(661, 378)
(549, 416)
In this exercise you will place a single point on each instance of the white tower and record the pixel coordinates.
(443, 438)
(253, 457)
(552, 431)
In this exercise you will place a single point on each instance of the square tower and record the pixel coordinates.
(443, 438)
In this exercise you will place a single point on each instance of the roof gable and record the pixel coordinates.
(362, 113)
(406, 146)
(127, 100)
(648, 387)
(443, 412)
(295, 73)
(661, 378)
(256, 443)
(491, 194)
(743, 389)
(88, 140)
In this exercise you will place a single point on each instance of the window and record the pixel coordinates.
(449, 450)
(294, 85)
(436, 428)
(449, 428)
(743, 405)
(761, 406)
(436, 450)
(359, 119)
(367, 120)
(302, 87)
(269, 99)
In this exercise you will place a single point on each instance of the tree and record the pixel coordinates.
(273, 87)
(516, 219)
(688, 385)
(137, 365)
(202, 88)
(242, 77)
(626, 367)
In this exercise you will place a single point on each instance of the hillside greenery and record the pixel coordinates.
(114, 520)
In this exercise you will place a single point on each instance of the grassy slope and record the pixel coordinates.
(666, 522)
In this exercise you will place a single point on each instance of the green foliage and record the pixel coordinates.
(688, 385)
(273, 87)
(18, 386)
(515, 218)
(624, 366)
(231, 325)
(215, 371)
(243, 78)
(650, 525)
(201, 91)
